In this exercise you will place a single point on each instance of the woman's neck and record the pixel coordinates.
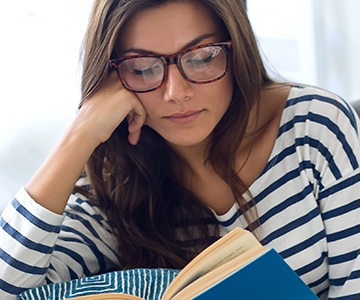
(194, 155)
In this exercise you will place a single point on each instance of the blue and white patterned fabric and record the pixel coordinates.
(145, 283)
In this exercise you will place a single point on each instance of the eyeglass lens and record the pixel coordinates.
(199, 66)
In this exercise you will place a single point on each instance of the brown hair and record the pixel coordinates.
(140, 187)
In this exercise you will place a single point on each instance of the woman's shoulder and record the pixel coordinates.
(316, 97)
(310, 102)
(322, 122)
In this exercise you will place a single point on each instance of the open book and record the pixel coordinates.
(235, 266)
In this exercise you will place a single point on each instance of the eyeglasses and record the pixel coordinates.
(200, 64)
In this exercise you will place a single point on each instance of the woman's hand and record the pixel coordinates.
(107, 108)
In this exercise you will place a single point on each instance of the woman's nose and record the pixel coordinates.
(177, 88)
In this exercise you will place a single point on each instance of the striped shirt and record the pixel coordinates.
(307, 199)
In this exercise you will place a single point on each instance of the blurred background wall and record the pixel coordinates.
(309, 41)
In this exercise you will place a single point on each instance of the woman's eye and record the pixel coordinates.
(141, 72)
(207, 59)
(203, 56)
(152, 70)
(199, 61)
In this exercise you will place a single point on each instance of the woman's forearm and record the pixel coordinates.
(54, 181)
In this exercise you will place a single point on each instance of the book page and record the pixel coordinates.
(223, 250)
(216, 275)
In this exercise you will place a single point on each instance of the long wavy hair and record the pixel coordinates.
(158, 222)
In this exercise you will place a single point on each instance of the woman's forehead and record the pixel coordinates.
(167, 28)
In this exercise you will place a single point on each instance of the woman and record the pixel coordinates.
(184, 137)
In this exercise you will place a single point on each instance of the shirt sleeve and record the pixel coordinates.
(38, 247)
(339, 202)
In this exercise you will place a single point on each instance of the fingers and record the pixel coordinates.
(104, 111)
(136, 119)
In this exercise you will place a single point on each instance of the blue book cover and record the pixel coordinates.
(266, 277)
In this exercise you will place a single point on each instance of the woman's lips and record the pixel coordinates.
(185, 117)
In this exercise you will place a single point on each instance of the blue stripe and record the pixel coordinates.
(344, 257)
(79, 209)
(281, 181)
(231, 220)
(81, 201)
(324, 152)
(21, 266)
(304, 165)
(351, 116)
(333, 127)
(338, 211)
(327, 154)
(318, 282)
(333, 237)
(88, 241)
(48, 281)
(288, 151)
(11, 289)
(34, 220)
(287, 203)
(279, 158)
(73, 274)
(308, 165)
(306, 140)
(340, 186)
(23, 239)
(51, 267)
(89, 227)
(273, 187)
(83, 221)
(75, 256)
(303, 245)
(315, 97)
(350, 297)
(291, 226)
(341, 281)
(312, 266)
(324, 291)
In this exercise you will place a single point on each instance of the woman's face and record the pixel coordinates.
(183, 113)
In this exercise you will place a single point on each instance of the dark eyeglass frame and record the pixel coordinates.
(173, 59)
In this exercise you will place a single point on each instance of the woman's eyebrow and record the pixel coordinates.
(186, 46)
